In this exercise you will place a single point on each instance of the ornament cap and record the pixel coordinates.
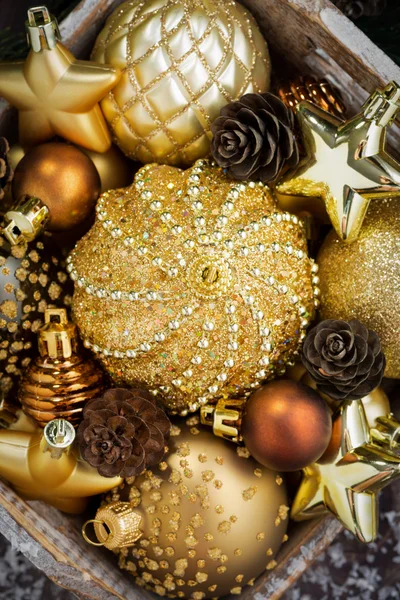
(116, 526)
(42, 30)
(387, 433)
(58, 437)
(225, 418)
(383, 105)
(58, 337)
(26, 221)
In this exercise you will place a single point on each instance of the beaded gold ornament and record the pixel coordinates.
(195, 284)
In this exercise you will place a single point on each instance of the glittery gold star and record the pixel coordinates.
(348, 164)
(347, 478)
(55, 93)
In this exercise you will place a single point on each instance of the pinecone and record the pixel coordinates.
(354, 9)
(344, 358)
(123, 432)
(254, 138)
(6, 172)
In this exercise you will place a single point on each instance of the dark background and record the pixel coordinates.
(348, 570)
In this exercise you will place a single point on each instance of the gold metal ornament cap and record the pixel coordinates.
(42, 30)
(225, 418)
(58, 337)
(26, 221)
(116, 526)
(58, 437)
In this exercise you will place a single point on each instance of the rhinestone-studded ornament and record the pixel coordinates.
(181, 61)
(195, 284)
(31, 279)
(198, 540)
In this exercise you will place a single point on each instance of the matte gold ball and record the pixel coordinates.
(286, 425)
(64, 178)
(212, 521)
(362, 280)
(181, 61)
(197, 285)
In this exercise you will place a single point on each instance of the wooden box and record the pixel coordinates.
(305, 36)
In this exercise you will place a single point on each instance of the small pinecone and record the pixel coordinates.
(253, 138)
(123, 432)
(6, 172)
(344, 358)
(354, 9)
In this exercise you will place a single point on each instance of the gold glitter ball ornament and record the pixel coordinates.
(195, 284)
(197, 538)
(362, 280)
(181, 61)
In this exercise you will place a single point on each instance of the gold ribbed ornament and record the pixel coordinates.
(181, 62)
(197, 285)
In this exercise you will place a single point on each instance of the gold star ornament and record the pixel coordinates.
(55, 93)
(348, 477)
(347, 163)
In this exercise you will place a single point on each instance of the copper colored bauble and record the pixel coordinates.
(181, 61)
(211, 521)
(286, 425)
(64, 179)
(61, 380)
(32, 279)
(194, 284)
(362, 280)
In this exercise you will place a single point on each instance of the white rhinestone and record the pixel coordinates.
(81, 282)
(146, 195)
(222, 220)
(165, 216)
(172, 271)
(295, 220)
(95, 348)
(152, 296)
(177, 382)
(222, 377)
(286, 217)
(229, 244)
(133, 296)
(199, 222)
(197, 205)
(278, 218)
(74, 275)
(101, 214)
(139, 184)
(244, 251)
(302, 311)
(233, 193)
(289, 248)
(193, 407)
(196, 360)
(87, 344)
(260, 247)
(89, 289)
(156, 205)
(315, 280)
(194, 178)
(277, 323)
(264, 331)
(267, 346)
(229, 363)
(271, 280)
(130, 353)
(233, 346)
(294, 299)
(217, 235)
(254, 225)
(188, 373)
(204, 238)
(70, 268)
(145, 347)
(264, 361)
(258, 315)
(315, 268)
(267, 221)
(208, 326)
(101, 293)
(304, 323)
(242, 234)
(251, 184)
(231, 309)
(234, 328)
(187, 310)
(202, 400)
(193, 190)
(128, 241)
(275, 247)
(107, 224)
(256, 272)
(159, 337)
(213, 389)
(203, 343)
(249, 300)
(176, 229)
(283, 289)
(174, 325)
(228, 205)
(107, 352)
(300, 254)
(157, 261)
(261, 374)
(142, 250)
(182, 262)
(116, 295)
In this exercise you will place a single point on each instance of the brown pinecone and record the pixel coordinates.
(123, 432)
(344, 358)
(6, 172)
(254, 138)
(354, 9)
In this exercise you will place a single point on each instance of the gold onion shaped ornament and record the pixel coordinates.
(194, 284)
(181, 61)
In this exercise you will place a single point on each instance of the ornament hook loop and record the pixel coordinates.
(41, 29)
(87, 538)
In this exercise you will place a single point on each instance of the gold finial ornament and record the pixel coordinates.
(194, 284)
(347, 163)
(116, 526)
(61, 380)
(55, 93)
(224, 417)
(26, 221)
(347, 478)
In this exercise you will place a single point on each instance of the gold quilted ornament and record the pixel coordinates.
(193, 283)
(181, 61)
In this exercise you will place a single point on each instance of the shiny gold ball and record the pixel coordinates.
(64, 178)
(212, 520)
(114, 168)
(197, 285)
(362, 280)
(181, 61)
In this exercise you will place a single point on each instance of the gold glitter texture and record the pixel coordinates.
(361, 280)
(226, 552)
(197, 285)
(181, 62)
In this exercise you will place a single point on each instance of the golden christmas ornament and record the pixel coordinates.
(55, 93)
(195, 537)
(114, 168)
(44, 465)
(347, 478)
(181, 62)
(347, 162)
(362, 280)
(194, 284)
(60, 381)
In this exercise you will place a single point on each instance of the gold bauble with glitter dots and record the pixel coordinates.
(195, 284)
(32, 279)
(181, 62)
(209, 520)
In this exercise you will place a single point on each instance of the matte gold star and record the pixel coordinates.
(347, 478)
(348, 164)
(55, 93)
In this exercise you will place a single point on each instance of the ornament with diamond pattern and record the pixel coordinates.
(197, 285)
